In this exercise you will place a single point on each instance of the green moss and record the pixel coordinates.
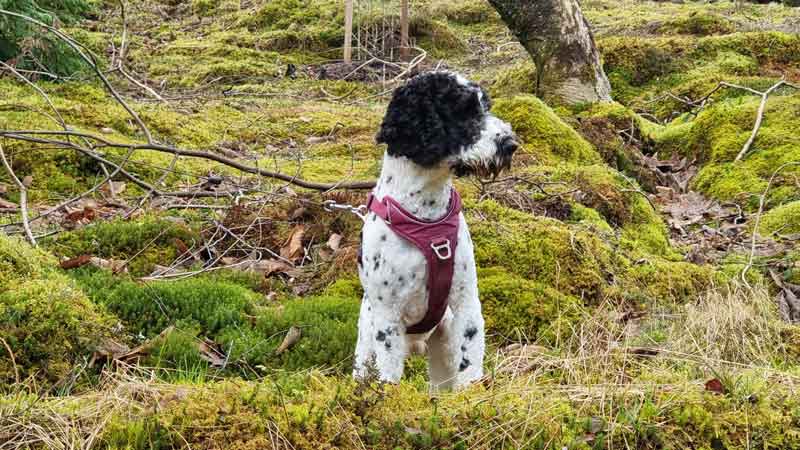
(667, 281)
(519, 309)
(717, 135)
(46, 320)
(698, 23)
(785, 219)
(544, 135)
(143, 242)
(542, 250)
(148, 308)
(520, 79)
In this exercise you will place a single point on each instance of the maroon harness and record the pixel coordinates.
(436, 240)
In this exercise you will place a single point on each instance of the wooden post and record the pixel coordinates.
(348, 31)
(404, 46)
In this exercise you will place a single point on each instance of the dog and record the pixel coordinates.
(416, 262)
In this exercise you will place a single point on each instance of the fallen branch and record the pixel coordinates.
(759, 115)
(23, 197)
(26, 135)
(761, 202)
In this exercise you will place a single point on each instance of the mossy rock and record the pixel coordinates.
(47, 322)
(544, 135)
(666, 282)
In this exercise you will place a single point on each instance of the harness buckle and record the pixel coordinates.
(441, 247)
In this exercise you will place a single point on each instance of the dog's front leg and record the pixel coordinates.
(381, 349)
(456, 348)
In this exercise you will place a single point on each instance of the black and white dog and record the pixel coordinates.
(416, 263)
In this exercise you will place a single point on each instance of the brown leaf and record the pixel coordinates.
(291, 338)
(335, 241)
(27, 181)
(114, 265)
(76, 262)
(293, 248)
(211, 352)
(716, 386)
(270, 267)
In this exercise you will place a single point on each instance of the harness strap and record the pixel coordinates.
(436, 240)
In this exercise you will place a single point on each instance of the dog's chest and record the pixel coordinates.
(394, 273)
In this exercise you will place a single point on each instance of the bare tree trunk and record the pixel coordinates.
(558, 38)
(404, 50)
(348, 31)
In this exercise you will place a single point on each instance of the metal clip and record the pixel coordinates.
(332, 206)
(440, 246)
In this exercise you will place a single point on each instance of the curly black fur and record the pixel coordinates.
(432, 117)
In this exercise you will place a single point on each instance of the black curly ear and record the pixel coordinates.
(433, 116)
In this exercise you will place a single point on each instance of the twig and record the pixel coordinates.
(13, 359)
(90, 61)
(23, 135)
(761, 202)
(23, 197)
(759, 118)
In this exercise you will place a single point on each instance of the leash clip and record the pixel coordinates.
(441, 247)
(332, 206)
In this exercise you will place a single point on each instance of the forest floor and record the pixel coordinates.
(639, 266)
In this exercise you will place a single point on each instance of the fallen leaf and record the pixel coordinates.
(27, 181)
(270, 267)
(714, 385)
(106, 130)
(293, 248)
(211, 352)
(76, 262)
(114, 265)
(291, 338)
(334, 241)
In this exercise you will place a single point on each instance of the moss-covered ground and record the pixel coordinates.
(603, 331)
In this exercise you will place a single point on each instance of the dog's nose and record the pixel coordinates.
(508, 145)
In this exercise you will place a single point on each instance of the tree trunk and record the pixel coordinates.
(557, 36)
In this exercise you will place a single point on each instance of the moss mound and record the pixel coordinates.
(45, 320)
(717, 135)
(542, 250)
(544, 135)
(245, 326)
(785, 219)
(143, 242)
(519, 309)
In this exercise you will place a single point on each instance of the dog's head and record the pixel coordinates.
(442, 118)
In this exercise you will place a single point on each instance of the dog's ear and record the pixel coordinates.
(433, 116)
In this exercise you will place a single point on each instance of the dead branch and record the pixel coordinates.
(23, 197)
(761, 202)
(759, 116)
(28, 136)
